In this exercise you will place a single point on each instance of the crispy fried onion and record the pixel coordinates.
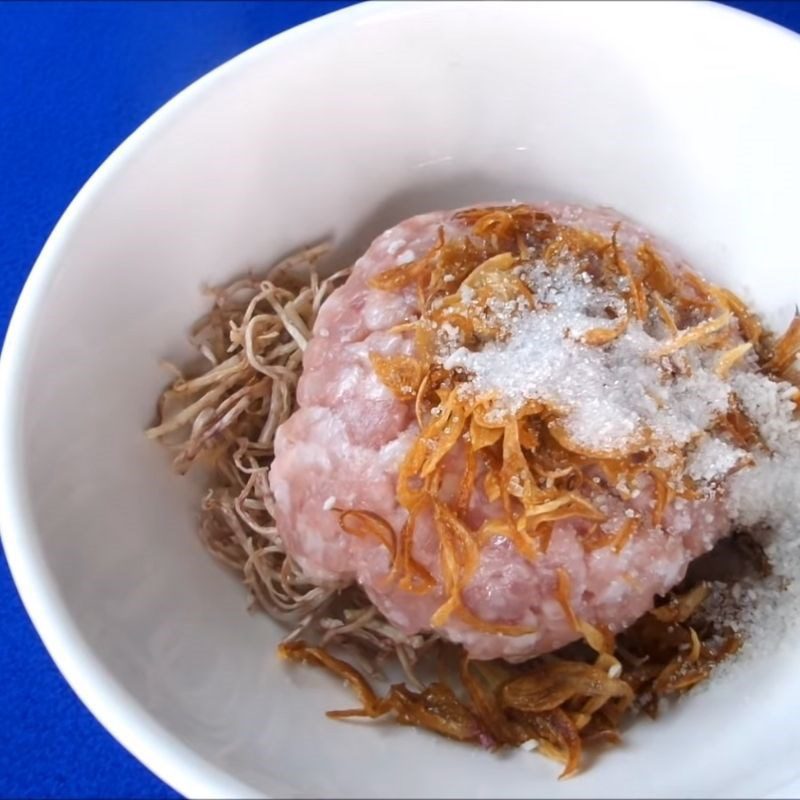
(527, 461)
(559, 703)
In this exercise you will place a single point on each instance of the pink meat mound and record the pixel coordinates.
(344, 444)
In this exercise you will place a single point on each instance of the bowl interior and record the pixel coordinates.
(341, 129)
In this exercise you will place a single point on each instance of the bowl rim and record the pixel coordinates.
(110, 703)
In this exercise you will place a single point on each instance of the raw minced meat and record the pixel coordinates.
(343, 446)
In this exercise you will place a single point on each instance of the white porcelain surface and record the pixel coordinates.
(685, 116)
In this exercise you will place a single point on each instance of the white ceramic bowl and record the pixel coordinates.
(685, 116)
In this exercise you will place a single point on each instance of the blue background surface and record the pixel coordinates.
(75, 80)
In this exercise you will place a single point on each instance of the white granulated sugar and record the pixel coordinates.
(765, 499)
(713, 459)
(608, 395)
(769, 403)
(767, 494)
(467, 293)
(449, 335)
(769, 491)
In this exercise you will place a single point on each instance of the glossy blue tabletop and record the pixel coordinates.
(75, 79)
